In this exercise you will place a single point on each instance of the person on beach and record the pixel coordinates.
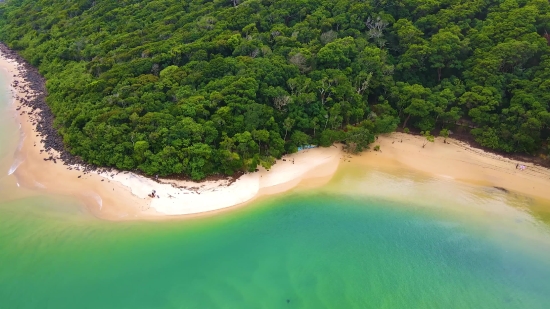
(517, 165)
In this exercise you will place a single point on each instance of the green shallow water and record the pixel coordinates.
(367, 240)
(315, 250)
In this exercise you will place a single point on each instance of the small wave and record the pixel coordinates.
(15, 165)
(22, 137)
(99, 201)
(97, 198)
(39, 185)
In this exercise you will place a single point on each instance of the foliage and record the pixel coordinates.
(203, 87)
(429, 138)
(445, 134)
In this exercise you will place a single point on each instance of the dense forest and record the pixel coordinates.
(204, 87)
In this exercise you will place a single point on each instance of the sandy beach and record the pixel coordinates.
(457, 161)
(125, 195)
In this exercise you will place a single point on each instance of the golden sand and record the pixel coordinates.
(457, 160)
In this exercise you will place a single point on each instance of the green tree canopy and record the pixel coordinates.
(204, 87)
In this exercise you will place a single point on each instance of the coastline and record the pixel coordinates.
(117, 195)
(121, 195)
(457, 161)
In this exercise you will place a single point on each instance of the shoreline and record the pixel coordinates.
(122, 195)
(456, 161)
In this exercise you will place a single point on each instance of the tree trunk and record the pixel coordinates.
(405, 123)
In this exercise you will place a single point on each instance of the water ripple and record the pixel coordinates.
(15, 165)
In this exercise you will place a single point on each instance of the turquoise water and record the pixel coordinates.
(364, 241)
(316, 251)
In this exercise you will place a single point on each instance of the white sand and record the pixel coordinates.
(215, 195)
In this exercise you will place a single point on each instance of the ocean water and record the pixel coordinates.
(301, 250)
(369, 239)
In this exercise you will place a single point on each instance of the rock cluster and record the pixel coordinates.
(34, 98)
(41, 116)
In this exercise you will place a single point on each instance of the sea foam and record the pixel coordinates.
(97, 198)
(15, 165)
(38, 184)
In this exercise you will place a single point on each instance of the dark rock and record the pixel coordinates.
(502, 189)
(42, 115)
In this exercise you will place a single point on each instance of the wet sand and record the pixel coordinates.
(457, 161)
(124, 195)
